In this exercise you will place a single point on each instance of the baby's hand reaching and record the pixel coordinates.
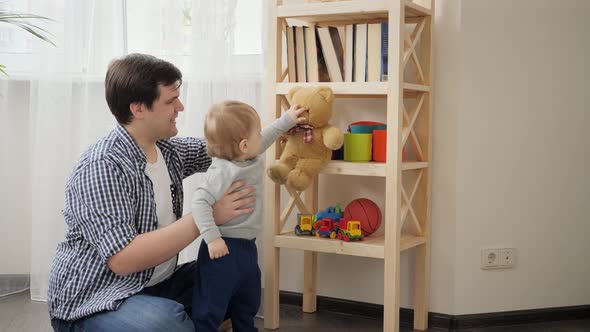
(295, 114)
(217, 248)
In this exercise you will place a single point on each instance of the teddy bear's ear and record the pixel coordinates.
(327, 93)
(293, 91)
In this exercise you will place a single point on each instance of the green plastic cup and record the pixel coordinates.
(357, 147)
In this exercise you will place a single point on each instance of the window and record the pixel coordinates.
(16, 45)
(248, 36)
(162, 28)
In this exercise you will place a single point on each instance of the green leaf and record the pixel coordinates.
(21, 20)
(2, 67)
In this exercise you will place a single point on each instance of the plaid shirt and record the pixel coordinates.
(109, 200)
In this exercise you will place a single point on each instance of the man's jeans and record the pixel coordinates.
(162, 307)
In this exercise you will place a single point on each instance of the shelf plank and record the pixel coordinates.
(338, 10)
(354, 88)
(351, 10)
(341, 88)
(371, 247)
(339, 167)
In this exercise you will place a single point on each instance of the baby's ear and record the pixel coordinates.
(293, 91)
(243, 145)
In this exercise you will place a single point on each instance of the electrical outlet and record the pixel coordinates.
(490, 258)
(507, 257)
(498, 258)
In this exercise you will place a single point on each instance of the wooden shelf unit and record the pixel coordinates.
(407, 201)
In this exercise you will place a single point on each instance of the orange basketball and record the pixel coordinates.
(365, 211)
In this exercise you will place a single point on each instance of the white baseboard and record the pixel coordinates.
(14, 283)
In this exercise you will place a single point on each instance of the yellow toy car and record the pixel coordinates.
(305, 224)
(350, 230)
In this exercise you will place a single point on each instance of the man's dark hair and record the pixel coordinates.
(135, 78)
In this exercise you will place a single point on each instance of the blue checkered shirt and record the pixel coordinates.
(109, 200)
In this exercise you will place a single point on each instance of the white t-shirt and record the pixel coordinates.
(161, 182)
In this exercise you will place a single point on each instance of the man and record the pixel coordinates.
(116, 269)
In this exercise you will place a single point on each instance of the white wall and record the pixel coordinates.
(446, 108)
(510, 151)
(15, 215)
(522, 165)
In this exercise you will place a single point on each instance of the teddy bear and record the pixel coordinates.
(308, 148)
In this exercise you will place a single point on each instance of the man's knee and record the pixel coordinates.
(142, 313)
(173, 319)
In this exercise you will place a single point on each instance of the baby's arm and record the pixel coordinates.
(208, 192)
(287, 121)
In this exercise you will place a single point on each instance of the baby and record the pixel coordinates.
(228, 277)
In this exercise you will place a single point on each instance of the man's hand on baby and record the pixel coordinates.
(295, 113)
(217, 248)
(234, 203)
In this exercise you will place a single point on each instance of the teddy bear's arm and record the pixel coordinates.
(333, 138)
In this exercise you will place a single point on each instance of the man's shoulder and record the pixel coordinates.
(179, 143)
(109, 151)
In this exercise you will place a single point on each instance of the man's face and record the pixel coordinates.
(161, 118)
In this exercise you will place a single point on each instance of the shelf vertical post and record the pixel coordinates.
(272, 192)
(393, 169)
(310, 258)
(423, 131)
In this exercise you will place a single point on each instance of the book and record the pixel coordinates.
(322, 68)
(384, 50)
(311, 54)
(341, 34)
(374, 52)
(348, 52)
(360, 52)
(332, 52)
(300, 55)
(338, 42)
(291, 66)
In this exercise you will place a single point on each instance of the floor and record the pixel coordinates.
(19, 314)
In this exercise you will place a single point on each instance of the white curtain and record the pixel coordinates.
(67, 106)
(68, 112)
(216, 73)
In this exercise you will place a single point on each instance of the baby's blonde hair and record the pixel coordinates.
(227, 123)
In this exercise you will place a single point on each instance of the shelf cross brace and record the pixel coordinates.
(407, 207)
(286, 212)
(295, 200)
(407, 130)
(411, 42)
(412, 134)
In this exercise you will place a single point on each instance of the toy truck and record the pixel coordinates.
(326, 227)
(305, 224)
(350, 230)
(334, 213)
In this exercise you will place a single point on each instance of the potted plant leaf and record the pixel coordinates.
(23, 21)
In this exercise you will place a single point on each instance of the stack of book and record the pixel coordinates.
(348, 53)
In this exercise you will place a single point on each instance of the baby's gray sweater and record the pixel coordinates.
(219, 177)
